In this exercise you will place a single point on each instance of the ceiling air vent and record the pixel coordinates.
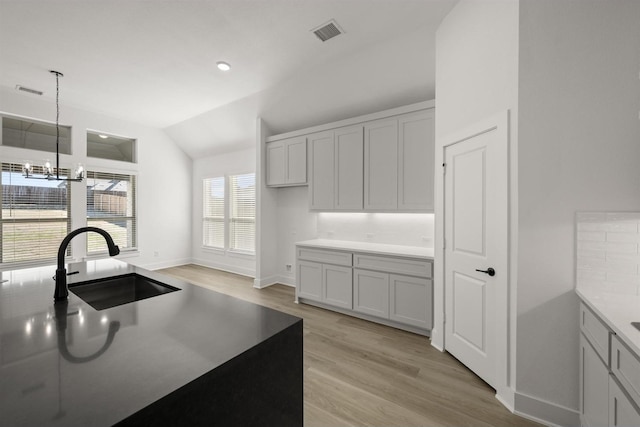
(29, 90)
(328, 30)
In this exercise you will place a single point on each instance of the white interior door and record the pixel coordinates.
(475, 266)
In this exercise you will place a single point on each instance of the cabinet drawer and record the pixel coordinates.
(411, 267)
(319, 255)
(625, 365)
(596, 331)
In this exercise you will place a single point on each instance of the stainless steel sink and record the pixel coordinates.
(114, 291)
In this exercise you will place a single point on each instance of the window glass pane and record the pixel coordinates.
(109, 147)
(213, 206)
(243, 212)
(34, 218)
(25, 133)
(111, 205)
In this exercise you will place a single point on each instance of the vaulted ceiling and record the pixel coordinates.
(154, 62)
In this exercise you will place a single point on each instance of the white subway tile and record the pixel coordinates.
(592, 236)
(623, 237)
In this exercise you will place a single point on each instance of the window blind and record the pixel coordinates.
(213, 216)
(242, 230)
(35, 216)
(111, 206)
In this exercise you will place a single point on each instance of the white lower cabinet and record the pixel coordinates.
(371, 293)
(609, 376)
(325, 283)
(622, 411)
(309, 280)
(394, 290)
(410, 300)
(594, 386)
(337, 285)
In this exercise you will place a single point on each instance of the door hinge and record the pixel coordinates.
(444, 168)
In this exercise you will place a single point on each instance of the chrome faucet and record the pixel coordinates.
(62, 292)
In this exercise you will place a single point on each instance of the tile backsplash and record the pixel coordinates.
(608, 253)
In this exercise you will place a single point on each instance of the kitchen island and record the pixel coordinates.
(189, 357)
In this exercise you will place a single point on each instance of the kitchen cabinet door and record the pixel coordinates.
(594, 387)
(322, 173)
(349, 168)
(337, 286)
(276, 163)
(381, 165)
(309, 280)
(411, 300)
(371, 293)
(296, 156)
(416, 161)
(622, 411)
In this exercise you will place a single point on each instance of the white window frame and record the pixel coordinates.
(91, 172)
(227, 217)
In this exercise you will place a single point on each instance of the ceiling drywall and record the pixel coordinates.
(153, 62)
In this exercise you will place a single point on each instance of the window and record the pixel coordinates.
(111, 205)
(34, 218)
(25, 133)
(103, 146)
(213, 213)
(242, 231)
(229, 213)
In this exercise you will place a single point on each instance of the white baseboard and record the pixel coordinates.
(265, 282)
(544, 412)
(276, 279)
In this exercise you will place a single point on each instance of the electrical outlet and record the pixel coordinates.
(288, 267)
(156, 254)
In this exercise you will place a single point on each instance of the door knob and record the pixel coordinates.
(490, 271)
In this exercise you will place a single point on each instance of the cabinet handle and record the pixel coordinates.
(490, 271)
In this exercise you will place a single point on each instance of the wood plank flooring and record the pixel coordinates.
(359, 373)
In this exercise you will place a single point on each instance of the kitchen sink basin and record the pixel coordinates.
(113, 291)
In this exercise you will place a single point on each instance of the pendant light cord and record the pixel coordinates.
(58, 74)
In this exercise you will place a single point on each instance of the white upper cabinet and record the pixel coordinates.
(348, 167)
(399, 161)
(416, 160)
(287, 162)
(381, 165)
(336, 169)
(322, 171)
(381, 162)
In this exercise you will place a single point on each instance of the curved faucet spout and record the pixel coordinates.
(62, 292)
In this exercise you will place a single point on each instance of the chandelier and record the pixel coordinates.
(48, 172)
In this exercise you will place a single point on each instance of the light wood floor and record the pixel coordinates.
(359, 373)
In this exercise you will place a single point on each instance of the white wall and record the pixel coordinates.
(296, 223)
(574, 147)
(476, 78)
(238, 162)
(579, 150)
(164, 177)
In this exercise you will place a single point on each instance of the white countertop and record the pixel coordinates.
(375, 248)
(617, 311)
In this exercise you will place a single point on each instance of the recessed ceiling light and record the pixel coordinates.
(103, 136)
(223, 66)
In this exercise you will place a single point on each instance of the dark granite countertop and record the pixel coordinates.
(161, 344)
